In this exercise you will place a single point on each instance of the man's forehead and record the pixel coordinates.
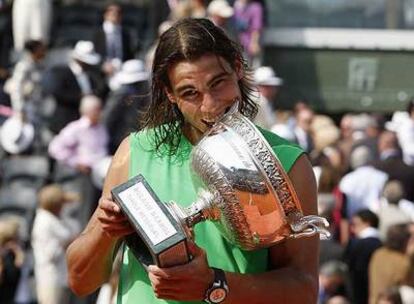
(209, 66)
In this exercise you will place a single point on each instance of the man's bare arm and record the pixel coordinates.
(90, 256)
(295, 262)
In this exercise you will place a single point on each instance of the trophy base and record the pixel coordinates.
(176, 255)
(139, 249)
(160, 238)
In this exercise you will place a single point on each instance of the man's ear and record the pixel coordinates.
(239, 69)
(170, 95)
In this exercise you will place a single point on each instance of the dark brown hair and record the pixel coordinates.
(189, 39)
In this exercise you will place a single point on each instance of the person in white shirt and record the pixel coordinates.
(50, 237)
(362, 186)
(405, 135)
(83, 142)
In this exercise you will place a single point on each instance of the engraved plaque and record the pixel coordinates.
(160, 233)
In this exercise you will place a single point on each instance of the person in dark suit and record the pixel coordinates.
(359, 250)
(68, 83)
(303, 134)
(391, 162)
(112, 41)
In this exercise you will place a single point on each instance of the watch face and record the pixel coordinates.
(217, 295)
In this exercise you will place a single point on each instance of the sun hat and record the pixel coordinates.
(84, 51)
(220, 8)
(266, 76)
(132, 71)
(16, 136)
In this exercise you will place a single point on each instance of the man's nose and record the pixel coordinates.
(211, 105)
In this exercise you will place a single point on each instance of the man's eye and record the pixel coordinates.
(189, 94)
(217, 83)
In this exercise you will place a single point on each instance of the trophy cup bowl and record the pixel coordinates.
(243, 189)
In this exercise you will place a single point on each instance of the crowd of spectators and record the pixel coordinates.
(66, 102)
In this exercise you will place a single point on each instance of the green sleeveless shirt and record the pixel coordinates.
(170, 178)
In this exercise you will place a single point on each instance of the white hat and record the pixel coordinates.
(16, 136)
(84, 51)
(132, 71)
(220, 8)
(267, 76)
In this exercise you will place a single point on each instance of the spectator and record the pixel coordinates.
(112, 40)
(391, 162)
(82, 144)
(84, 141)
(31, 21)
(198, 9)
(362, 186)
(302, 130)
(329, 248)
(68, 83)
(358, 253)
(390, 213)
(189, 8)
(220, 13)
(149, 56)
(390, 296)
(249, 17)
(405, 133)
(324, 133)
(389, 265)
(25, 85)
(332, 279)
(346, 140)
(338, 300)
(268, 84)
(50, 237)
(367, 128)
(121, 111)
(11, 259)
(333, 202)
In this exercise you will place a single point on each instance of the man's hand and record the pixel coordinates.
(112, 220)
(187, 282)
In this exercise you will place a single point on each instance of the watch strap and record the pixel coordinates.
(219, 283)
(219, 275)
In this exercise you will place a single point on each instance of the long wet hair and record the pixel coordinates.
(189, 39)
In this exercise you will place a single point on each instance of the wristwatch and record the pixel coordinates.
(218, 290)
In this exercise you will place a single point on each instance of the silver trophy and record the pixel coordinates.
(243, 189)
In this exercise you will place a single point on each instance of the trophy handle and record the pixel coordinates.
(305, 226)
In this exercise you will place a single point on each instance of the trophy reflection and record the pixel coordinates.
(243, 189)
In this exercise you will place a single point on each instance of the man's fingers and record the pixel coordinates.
(109, 205)
(118, 231)
(163, 273)
(109, 217)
